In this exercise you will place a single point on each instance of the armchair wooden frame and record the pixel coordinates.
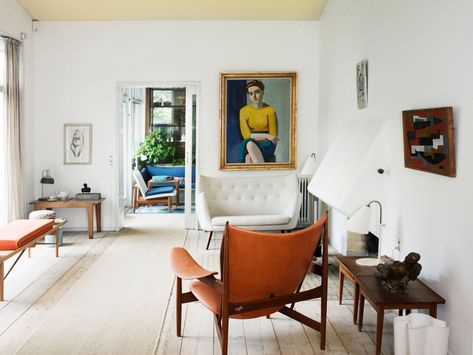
(227, 305)
(139, 200)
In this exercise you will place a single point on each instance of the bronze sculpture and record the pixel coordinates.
(397, 275)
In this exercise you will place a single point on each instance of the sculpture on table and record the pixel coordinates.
(85, 189)
(397, 275)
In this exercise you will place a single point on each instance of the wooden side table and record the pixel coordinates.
(348, 268)
(175, 182)
(418, 296)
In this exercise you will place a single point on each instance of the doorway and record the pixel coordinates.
(168, 111)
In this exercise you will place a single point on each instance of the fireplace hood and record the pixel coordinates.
(349, 174)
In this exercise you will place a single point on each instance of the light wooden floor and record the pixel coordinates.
(114, 295)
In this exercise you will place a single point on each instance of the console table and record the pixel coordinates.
(89, 205)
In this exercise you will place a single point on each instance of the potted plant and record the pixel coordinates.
(156, 148)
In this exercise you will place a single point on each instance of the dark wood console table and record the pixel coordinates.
(76, 203)
(418, 296)
(367, 286)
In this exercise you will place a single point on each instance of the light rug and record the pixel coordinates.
(118, 305)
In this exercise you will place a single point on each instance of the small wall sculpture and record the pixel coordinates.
(397, 275)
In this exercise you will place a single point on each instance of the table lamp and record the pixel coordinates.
(359, 223)
(45, 179)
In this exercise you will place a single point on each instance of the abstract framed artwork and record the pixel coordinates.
(77, 144)
(429, 141)
(362, 83)
(257, 120)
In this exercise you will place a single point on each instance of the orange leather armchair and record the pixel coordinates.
(262, 273)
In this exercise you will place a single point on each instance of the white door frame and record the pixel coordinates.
(117, 198)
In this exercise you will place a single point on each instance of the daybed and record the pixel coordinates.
(255, 203)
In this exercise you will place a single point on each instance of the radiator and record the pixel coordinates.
(307, 213)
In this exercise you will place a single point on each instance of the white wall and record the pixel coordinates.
(420, 55)
(78, 65)
(14, 20)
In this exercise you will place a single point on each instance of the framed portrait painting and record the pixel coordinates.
(429, 141)
(258, 120)
(77, 143)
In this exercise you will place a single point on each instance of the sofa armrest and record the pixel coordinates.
(202, 211)
(293, 209)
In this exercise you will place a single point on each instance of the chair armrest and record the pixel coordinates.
(185, 267)
(293, 208)
(202, 211)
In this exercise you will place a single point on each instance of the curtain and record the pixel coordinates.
(13, 202)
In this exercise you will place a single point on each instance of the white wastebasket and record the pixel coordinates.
(420, 334)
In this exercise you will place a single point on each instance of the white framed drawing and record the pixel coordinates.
(77, 144)
(362, 83)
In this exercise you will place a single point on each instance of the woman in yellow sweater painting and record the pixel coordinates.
(258, 127)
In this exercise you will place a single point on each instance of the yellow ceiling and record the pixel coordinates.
(142, 10)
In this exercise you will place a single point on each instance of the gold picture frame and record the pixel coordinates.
(258, 120)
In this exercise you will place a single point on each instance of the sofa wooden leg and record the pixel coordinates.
(169, 204)
(208, 241)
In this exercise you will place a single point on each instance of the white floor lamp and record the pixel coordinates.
(359, 223)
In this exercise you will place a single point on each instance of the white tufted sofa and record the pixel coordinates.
(256, 203)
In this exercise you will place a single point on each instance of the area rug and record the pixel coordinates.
(157, 209)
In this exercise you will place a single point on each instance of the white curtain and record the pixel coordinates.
(12, 202)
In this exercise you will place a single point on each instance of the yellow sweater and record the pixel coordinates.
(257, 120)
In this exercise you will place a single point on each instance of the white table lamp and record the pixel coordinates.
(359, 223)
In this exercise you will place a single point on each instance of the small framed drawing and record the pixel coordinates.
(77, 143)
(257, 120)
(362, 83)
(429, 141)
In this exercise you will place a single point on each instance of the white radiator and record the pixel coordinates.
(307, 213)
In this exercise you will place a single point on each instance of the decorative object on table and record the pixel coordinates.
(397, 275)
(85, 189)
(362, 83)
(42, 214)
(89, 196)
(428, 140)
(77, 143)
(45, 179)
(359, 223)
(258, 120)
(419, 333)
(63, 195)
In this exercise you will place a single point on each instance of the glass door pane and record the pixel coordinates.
(190, 153)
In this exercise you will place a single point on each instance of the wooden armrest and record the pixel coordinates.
(185, 267)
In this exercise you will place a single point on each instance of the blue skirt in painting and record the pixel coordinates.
(267, 149)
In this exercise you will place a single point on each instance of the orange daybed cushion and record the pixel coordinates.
(16, 234)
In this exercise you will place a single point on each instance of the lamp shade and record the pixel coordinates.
(359, 222)
(309, 167)
(46, 178)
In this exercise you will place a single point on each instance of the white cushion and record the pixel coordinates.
(140, 181)
(254, 220)
(152, 197)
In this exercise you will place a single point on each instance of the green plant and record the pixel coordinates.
(156, 148)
